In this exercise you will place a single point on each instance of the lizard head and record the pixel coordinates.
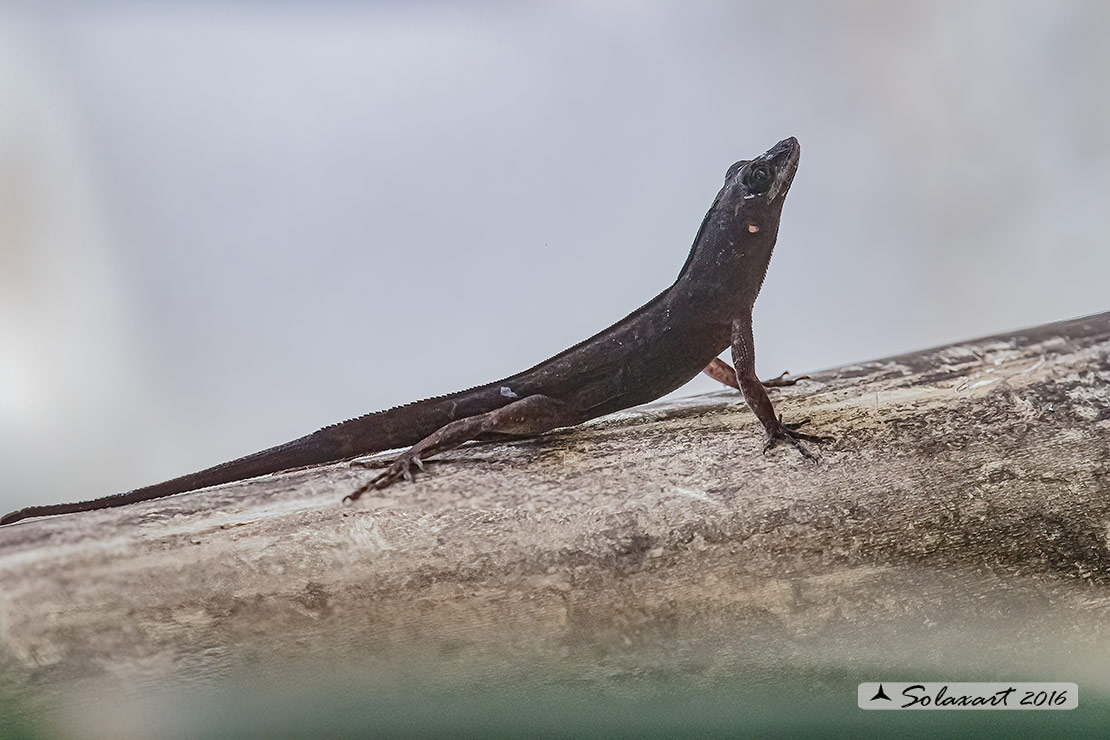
(734, 244)
(767, 177)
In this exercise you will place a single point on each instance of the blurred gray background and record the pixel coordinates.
(223, 225)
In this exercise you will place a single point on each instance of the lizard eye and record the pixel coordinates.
(757, 179)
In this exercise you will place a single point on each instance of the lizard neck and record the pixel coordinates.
(726, 267)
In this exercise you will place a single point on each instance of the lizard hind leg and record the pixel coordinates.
(527, 417)
(722, 372)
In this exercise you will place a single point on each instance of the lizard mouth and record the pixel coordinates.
(783, 157)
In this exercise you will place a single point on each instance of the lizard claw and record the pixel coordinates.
(789, 433)
(398, 469)
(782, 381)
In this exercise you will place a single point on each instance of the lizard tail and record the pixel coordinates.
(385, 430)
(301, 452)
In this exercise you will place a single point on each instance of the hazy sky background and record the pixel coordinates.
(223, 225)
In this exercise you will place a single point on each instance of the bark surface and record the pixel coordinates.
(963, 512)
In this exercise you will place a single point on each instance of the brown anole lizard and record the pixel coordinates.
(649, 353)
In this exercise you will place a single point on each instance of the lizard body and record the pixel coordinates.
(651, 352)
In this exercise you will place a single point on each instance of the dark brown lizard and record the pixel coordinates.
(651, 352)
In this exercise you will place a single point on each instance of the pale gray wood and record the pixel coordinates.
(963, 509)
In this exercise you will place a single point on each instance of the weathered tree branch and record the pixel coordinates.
(966, 484)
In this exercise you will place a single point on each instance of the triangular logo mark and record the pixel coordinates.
(881, 694)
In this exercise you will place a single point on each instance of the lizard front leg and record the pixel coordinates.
(524, 418)
(743, 354)
(722, 372)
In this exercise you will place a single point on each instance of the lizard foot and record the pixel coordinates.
(398, 469)
(782, 381)
(789, 433)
